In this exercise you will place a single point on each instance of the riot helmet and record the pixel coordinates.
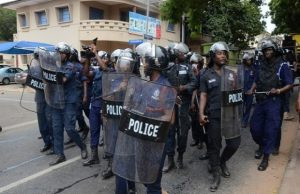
(115, 55)
(181, 51)
(248, 56)
(171, 51)
(63, 47)
(125, 62)
(101, 53)
(196, 58)
(153, 57)
(214, 50)
(268, 43)
(74, 55)
(36, 53)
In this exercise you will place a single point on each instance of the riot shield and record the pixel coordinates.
(34, 77)
(231, 105)
(114, 87)
(144, 125)
(53, 78)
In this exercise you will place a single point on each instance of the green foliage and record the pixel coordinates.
(7, 24)
(232, 21)
(285, 15)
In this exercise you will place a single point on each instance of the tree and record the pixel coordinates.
(285, 15)
(7, 24)
(233, 21)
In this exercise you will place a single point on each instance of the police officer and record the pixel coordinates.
(181, 76)
(66, 118)
(248, 69)
(153, 67)
(96, 104)
(81, 85)
(210, 114)
(43, 110)
(273, 79)
(196, 61)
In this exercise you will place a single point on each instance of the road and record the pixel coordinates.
(23, 169)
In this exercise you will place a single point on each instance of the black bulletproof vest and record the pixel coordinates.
(268, 78)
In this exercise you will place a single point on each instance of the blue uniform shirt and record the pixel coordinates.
(249, 76)
(70, 86)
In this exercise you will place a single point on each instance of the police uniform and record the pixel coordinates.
(66, 118)
(181, 74)
(265, 122)
(80, 78)
(210, 83)
(249, 75)
(122, 185)
(95, 112)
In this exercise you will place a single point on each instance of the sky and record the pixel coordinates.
(269, 26)
(265, 8)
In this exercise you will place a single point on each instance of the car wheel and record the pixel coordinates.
(5, 81)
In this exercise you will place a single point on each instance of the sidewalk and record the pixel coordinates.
(291, 180)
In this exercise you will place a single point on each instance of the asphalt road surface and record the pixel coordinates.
(23, 169)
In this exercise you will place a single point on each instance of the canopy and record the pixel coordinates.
(22, 47)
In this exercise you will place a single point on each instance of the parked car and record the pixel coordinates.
(3, 65)
(7, 74)
(20, 78)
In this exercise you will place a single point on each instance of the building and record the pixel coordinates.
(77, 22)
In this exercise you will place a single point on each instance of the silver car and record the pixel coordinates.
(7, 74)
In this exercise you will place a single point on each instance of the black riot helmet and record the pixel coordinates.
(268, 43)
(156, 57)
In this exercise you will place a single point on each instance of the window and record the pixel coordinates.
(124, 16)
(23, 20)
(171, 27)
(1, 58)
(24, 59)
(41, 18)
(64, 14)
(96, 14)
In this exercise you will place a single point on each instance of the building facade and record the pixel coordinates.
(77, 22)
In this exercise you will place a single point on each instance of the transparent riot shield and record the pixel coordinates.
(144, 125)
(53, 78)
(232, 99)
(114, 87)
(34, 77)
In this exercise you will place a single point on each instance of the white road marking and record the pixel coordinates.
(21, 164)
(19, 125)
(12, 100)
(36, 175)
(12, 140)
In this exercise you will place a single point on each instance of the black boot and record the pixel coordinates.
(224, 170)
(84, 152)
(107, 173)
(94, 158)
(264, 163)
(46, 148)
(216, 180)
(259, 152)
(170, 165)
(59, 159)
(180, 161)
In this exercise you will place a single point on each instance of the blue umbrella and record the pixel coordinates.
(22, 47)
